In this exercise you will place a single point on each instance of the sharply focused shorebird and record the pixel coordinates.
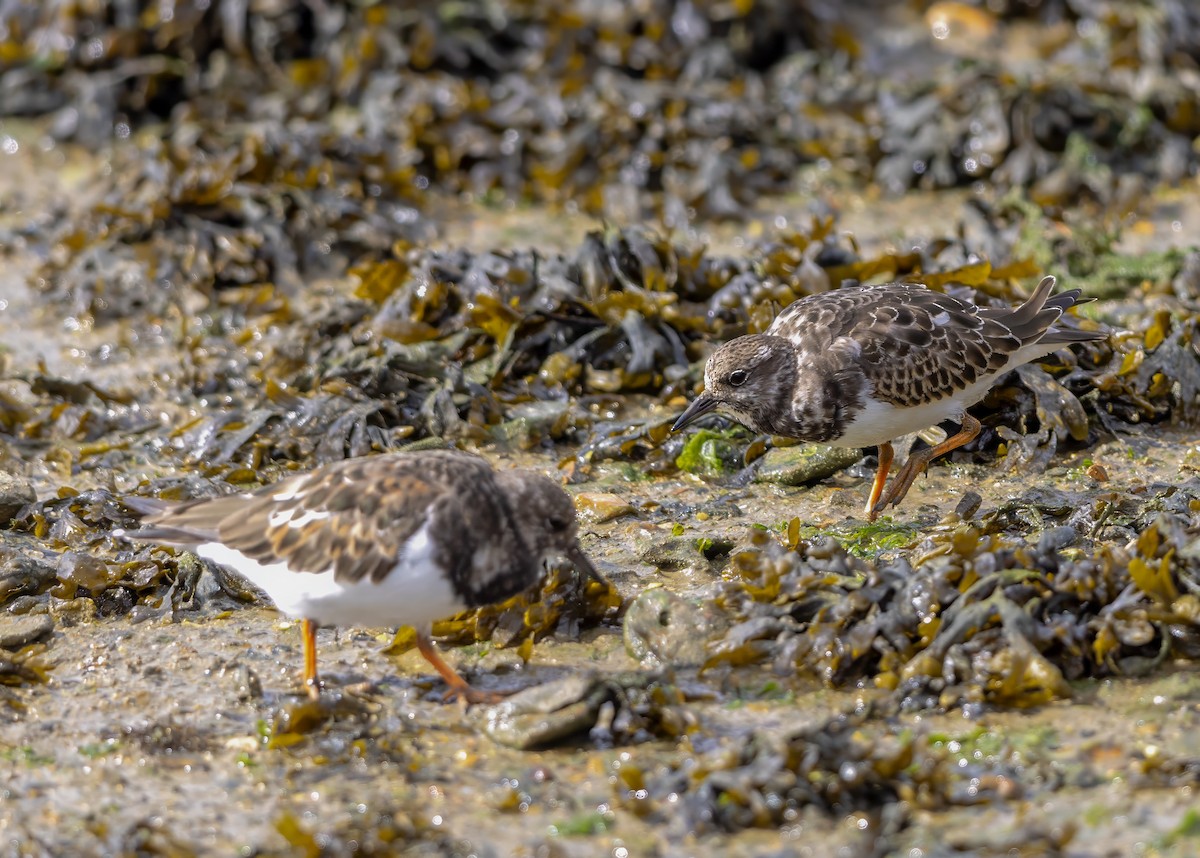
(400, 539)
(864, 365)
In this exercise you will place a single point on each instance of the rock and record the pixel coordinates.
(968, 504)
(662, 628)
(236, 587)
(804, 463)
(1056, 539)
(22, 574)
(16, 632)
(672, 552)
(595, 507)
(15, 492)
(543, 714)
(622, 708)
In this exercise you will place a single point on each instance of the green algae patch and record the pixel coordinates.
(871, 540)
(862, 540)
(584, 825)
(1188, 827)
(708, 452)
(96, 750)
(989, 745)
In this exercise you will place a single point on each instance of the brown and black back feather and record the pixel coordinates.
(913, 345)
(356, 517)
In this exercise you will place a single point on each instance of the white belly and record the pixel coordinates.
(414, 592)
(879, 422)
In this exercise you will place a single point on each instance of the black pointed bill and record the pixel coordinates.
(583, 564)
(701, 405)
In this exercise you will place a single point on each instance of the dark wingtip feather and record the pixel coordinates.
(1064, 301)
(1069, 298)
(144, 505)
(1038, 326)
(1073, 335)
(162, 535)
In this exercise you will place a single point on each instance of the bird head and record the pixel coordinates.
(750, 379)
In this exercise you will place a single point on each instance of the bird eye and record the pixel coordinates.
(558, 524)
(738, 377)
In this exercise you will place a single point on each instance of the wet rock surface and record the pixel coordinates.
(17, 631)
(15, 492)
(663, 629)
(803, 464)
(620, 709)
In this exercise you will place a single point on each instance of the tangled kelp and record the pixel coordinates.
(519, 348)
(975, 613)
(858, 763)
(522, 350)
(298, 145)
(260, 182)
(290, 145)
(564, 604)
(712, 105)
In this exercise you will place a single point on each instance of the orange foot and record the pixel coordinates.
(459, 689)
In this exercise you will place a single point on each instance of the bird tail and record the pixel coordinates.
(1033, 321)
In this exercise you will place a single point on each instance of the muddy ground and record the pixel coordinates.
(151, 733)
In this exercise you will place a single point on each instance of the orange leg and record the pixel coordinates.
(918, 462)
(459, 688)
(885, 463)
(311, 683)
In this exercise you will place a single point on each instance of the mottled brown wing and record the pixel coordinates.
(353, 517)
(915, 345)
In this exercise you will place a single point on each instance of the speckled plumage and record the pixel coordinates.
(398, 539)
(862, 366)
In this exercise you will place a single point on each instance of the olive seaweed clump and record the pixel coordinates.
(976, 612)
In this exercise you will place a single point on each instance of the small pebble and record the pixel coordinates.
(968, 505)
(1056, 539)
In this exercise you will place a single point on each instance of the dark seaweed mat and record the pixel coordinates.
(518, 349)
(281, 142)
(524, 349)
(864, 763)
(977, 614)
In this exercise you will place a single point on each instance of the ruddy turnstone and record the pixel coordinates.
(395, 539)
(865, 365)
